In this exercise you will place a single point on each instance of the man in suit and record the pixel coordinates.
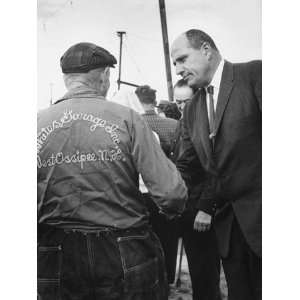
(200, 246)
(221, 156)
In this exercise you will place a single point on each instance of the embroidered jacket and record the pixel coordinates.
(89, 155)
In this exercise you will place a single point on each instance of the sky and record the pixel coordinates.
(235, 26)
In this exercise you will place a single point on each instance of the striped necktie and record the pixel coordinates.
(212, 114)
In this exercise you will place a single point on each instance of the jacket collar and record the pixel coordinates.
(216, 80)
(150, 112)
(81, 92)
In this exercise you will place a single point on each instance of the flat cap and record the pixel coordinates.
(83, 57)
(146, 94)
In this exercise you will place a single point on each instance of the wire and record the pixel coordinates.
(132, 58)
(145, 38)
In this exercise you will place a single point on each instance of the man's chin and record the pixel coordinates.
(191, 83)
(194, 83)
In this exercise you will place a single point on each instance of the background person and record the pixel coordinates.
(94, 241)
(164, 127)
(160, 107)
(183, 93)
(171, 111)
(221, 159)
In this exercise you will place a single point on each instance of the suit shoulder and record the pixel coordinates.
(248, 71)
(255, 66)
(250, 66)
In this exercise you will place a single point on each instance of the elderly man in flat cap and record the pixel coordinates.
(94, 241)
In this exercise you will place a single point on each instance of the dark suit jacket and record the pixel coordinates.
(225, 179)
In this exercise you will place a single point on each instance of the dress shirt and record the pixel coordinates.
(216, 81)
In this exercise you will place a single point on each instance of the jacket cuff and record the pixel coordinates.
(206, 205)
(168, 215)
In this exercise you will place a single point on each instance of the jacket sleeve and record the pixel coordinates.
(159, 174)
(194, 175)
(256, 80)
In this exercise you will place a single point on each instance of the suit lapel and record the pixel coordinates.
(224, 93)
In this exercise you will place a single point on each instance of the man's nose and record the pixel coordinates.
(179, 69)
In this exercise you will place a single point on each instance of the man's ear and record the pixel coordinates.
(207, 50)
(107, 71)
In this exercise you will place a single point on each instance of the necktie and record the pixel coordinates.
(212, 114)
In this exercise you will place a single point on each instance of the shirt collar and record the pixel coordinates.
(216, 81)
(150, 112)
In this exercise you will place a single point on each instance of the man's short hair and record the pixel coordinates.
(146, 94)
(197, 37)
(171, 111)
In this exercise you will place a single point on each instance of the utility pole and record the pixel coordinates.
(120, 34)
(164, 29)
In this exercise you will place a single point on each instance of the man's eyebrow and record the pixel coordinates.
(179, 58)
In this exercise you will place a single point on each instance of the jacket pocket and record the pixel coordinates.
(48, 272)
(139, 262)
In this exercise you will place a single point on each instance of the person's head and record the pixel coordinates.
(147, 96)
(195, 57)
(171, 111)
(182, 93)
(86, 64)
(161, 107)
